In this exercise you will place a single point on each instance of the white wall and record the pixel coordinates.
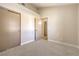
(27, 27)
(62, 23)
(27, 20)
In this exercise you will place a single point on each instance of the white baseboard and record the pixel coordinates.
(27, 42)
(63, 43)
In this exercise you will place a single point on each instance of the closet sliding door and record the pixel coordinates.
(10, 30)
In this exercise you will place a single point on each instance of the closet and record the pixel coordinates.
(10, 29)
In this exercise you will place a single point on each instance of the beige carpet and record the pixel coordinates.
(41, 48)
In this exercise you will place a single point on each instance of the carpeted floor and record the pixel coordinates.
(41, 48)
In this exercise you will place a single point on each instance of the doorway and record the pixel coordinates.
(40, 28)
(44, 28)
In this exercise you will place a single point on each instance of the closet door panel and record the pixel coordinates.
(9, 29)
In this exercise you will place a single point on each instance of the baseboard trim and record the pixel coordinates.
(27, 42)
(63, 43)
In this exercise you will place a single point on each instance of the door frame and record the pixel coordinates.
(45, 19)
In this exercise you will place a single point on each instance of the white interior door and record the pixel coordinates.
(37, 24)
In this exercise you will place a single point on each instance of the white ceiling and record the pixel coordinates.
(40, 5)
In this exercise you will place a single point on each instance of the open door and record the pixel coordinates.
(38, 28)
(10, 31)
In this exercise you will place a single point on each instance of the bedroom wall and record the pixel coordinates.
(62, 23)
